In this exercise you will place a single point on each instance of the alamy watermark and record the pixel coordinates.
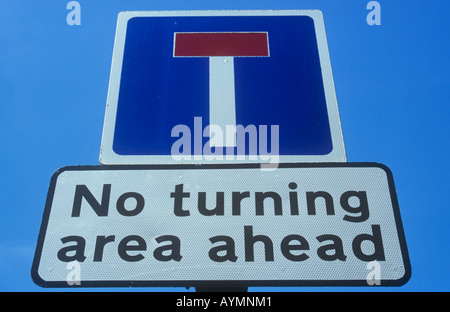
(374, 16)
(374, 275)
(235, 142)
(74, 16)
(74, 275)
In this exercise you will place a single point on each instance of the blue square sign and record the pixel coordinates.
(221, 86)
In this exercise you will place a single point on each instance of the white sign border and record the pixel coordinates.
(109, 157)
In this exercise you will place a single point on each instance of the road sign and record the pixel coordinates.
(215, 86)
(163, 225)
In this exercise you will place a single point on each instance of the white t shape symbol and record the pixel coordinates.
(221, 48)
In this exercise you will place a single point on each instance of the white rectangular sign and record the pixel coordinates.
(301, 224)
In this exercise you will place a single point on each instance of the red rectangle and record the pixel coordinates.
(221, 44)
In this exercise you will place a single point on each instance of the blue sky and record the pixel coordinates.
(391, 81)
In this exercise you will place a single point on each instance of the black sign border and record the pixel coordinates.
(222, 283)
